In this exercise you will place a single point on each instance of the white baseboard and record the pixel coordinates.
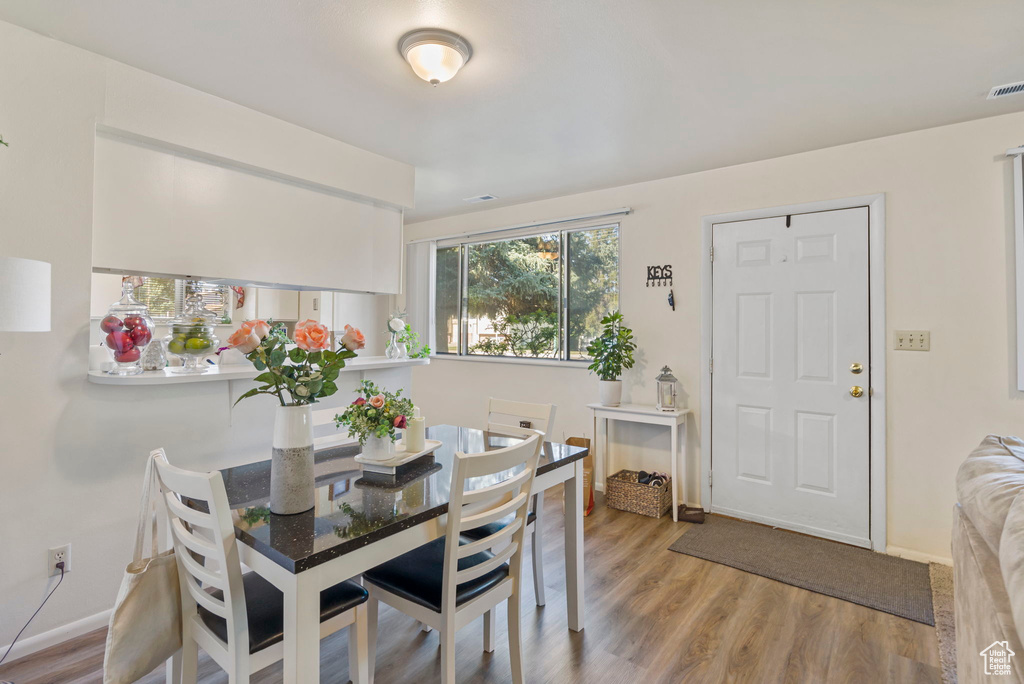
(33, 644)
(910, 554)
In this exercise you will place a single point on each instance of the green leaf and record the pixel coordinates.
(331, 373)
(328, 389)
(330, 356)
(277, 357)
(259, 364)
(250, 393)
(266, 378)
(297, 355)
(316, 357)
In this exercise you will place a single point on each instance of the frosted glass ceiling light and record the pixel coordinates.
(435, 55)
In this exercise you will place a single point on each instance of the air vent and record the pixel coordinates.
(480, 198)
(1004, 90)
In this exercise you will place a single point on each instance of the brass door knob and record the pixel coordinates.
(856, 368)
(857, 391)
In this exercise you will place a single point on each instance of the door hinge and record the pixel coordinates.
(712, 255)
(711, 365)
(710, 479)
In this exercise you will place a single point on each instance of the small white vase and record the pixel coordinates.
(379, 448)
(292, 482)
(611, 392)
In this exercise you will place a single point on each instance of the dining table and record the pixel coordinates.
(362, 519)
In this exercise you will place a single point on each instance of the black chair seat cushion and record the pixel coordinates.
(418, 575)
(495, 527)
(264, 604)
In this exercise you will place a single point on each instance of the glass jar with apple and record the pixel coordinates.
(128, 329)
(192, 335)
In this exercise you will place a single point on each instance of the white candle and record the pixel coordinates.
(415, 436)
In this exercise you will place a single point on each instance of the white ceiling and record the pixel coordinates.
(570, 95)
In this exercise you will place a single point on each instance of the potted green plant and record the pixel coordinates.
(610, 352)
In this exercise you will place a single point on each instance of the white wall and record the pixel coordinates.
(949, 255)
(73, 452)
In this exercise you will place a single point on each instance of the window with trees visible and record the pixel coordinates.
(541, 296)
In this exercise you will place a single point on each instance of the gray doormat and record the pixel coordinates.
(887, 583)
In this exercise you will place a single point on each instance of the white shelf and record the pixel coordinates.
(235, 372)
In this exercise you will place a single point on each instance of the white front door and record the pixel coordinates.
(790, 442)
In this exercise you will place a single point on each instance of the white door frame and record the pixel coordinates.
(876, 302)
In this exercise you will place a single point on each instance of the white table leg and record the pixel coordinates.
(574, 547)
(682, 460)
(302, 631)
(675, 480)
(604, 448)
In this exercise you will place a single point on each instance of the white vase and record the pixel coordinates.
(379, 448)
(611, 392)
(292, 483)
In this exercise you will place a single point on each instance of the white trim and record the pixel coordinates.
(516, 360)
(1018, 233)
(911, 554)
(459, 237)
(57, 635)
(876, 284)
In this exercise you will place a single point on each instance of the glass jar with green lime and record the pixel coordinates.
(192, 336)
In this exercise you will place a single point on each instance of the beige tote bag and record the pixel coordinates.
(145, 626)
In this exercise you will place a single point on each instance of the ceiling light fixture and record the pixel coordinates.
(435, 55)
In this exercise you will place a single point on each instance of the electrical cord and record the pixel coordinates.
(59, 565)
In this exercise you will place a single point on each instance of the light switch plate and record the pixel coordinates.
(912, 340)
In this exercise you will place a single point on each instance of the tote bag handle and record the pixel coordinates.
(147, 509)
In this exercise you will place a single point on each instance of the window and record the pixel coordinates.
(165, 297)
(538, 296)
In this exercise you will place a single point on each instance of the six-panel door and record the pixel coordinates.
(790, 440)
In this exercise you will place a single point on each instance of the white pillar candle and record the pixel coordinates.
(415, 432)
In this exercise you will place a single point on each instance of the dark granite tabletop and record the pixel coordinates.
(351, 510)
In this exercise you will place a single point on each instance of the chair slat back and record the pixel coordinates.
(504, 416)
(204, 545)
(489, 487)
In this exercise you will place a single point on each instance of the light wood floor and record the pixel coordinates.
(653, 616)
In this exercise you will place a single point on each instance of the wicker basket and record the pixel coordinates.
(623, 492)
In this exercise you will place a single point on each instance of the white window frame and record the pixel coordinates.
(464, 241)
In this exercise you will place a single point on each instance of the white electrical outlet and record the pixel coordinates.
(912, 340)
(59, 554)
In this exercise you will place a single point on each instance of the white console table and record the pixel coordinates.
(675, 421)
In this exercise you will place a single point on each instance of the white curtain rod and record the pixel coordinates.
(537, 224)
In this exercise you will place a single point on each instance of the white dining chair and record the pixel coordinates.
(449, 582)
(239, 619)
(507, 417)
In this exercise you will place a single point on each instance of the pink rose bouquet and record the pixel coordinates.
(296, 376)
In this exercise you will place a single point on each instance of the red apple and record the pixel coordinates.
(132, 354)
(110, 324)
(134, 321)
(120, 341)
(141, 336)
